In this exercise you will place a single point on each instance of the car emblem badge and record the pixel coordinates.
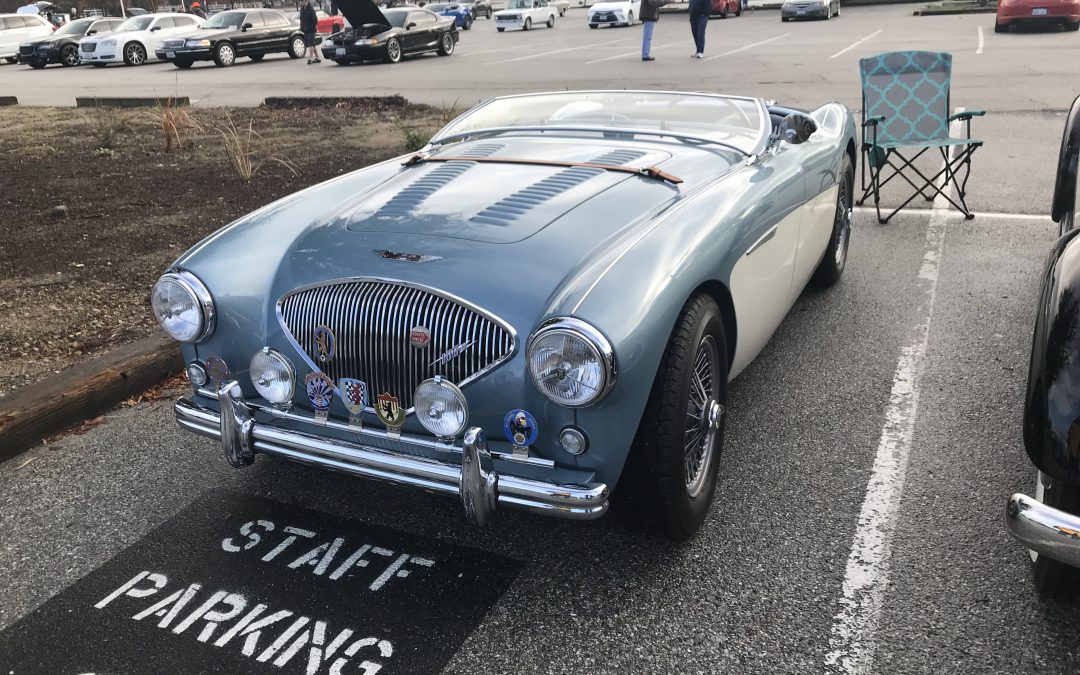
(520, 428)
(419, 337)
(320, 391)
(406, 257)
(451, 354)
(218, 371)
(324, 343)
(388, 409)
(354, 393)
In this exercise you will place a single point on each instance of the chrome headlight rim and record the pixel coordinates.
(594, 338)
(455, 391)
(289, 369)
(200, 294)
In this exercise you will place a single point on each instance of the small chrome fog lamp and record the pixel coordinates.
(273, 376)
(573, 440)
(441, 407)
(196, 374)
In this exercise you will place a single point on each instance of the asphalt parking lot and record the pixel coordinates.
(930, 300)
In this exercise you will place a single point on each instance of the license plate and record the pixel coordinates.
(800, 11)
(170, 55)
(340, 51)
(1039, 11)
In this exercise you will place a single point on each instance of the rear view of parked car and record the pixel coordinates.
(137, 39)
(229, 35)
(1039, 12)
(327, 24)
(461, 14)
(18, 28)
(63, 46)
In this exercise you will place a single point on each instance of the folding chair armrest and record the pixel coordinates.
(873, 121)
(966, 115)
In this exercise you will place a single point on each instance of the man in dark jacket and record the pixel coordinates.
(650, 14)
(309, 25)
(699, 19)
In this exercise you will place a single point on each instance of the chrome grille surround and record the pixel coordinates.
(374, 346)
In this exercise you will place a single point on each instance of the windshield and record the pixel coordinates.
(230, 20)
(735, 121)
(396, 17)
(74, 27)
(137, 23)
(519, 4)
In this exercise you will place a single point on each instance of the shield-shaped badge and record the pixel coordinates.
(217, 370)
(320, 391)
(389, 411)
(354, 394)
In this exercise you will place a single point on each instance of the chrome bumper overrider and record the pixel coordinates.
(1044, 529)
(475, 480)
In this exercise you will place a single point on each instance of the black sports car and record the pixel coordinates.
(228, 35)
(63, 45)
(389, 34)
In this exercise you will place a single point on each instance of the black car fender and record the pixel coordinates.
(1065, 183)
(1052, 402)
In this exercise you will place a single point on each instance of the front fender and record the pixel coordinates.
(1052, 403)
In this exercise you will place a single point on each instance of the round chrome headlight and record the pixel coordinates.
(571, 362)
(441, 407)
(182, 306)
(273, 376)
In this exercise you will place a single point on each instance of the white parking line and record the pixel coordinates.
(855, 44)
(637, 53)
(1036, 218)
(567, 49)
(749, 46)
(979, 50)
(866, 576)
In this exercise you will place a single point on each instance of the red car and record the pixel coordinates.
(1014, 12)
(333, 24)
(722, 8)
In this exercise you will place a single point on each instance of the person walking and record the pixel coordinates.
(699, 19)
(309, 23)
(650, 14)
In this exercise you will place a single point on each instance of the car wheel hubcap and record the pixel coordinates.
(843, 223)
(226, 55)
(448, 43)
(134, 55)
(703, 417)
(298, 47)
(394, 51)
(71, 56)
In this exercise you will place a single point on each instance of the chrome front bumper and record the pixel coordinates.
(1044, 529)
(475, 480)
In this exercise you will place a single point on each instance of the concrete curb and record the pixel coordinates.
(130, 102)
(84, 391)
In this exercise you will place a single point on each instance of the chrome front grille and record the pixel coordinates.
(372, 321)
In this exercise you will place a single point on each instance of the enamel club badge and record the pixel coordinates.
(324, 343)
(320, 391)
(520, 428)
(389, 410)
(218, 371)
(354, 394)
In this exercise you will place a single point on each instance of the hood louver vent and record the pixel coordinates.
(408, 199)
(516, 205)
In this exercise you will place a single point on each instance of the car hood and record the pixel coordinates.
(111, 34)
(361, 12)
(504, 236)
(610, 6)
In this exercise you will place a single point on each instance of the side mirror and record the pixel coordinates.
(91, 32)
(246, 26)
(796, 129)
(410, 26)
(155, 28)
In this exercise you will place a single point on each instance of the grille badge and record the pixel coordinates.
(324, 343)
(451, 354)
(419, 337)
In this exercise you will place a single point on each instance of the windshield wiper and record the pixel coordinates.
(648, 172)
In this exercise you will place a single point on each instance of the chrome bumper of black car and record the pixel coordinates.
(1044, 529)
(475, 480)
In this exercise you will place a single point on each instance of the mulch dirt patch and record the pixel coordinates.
(93, 209)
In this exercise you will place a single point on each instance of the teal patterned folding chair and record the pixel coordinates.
(905, 114)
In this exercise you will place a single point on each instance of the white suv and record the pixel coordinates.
(136, 40)
(17, 28)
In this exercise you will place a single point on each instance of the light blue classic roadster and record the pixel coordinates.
(546, 301)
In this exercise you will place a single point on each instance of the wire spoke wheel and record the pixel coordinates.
(702, 416)
(843, 222)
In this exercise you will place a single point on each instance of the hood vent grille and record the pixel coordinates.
(509, 209)
(412, 196)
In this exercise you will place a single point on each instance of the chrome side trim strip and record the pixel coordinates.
(764, 238)
(574, 502)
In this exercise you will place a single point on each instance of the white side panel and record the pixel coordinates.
(761, 288)
(815, 231)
